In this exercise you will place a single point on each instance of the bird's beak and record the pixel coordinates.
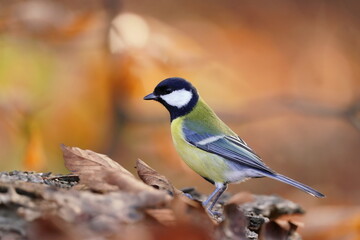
(150, 96)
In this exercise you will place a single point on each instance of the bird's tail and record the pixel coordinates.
(296, 184)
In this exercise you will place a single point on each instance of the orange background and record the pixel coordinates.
(283, 74)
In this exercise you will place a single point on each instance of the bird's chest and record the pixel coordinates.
(205, 164)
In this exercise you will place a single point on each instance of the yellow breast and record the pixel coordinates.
(206, 164)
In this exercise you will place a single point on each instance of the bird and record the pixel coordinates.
(207, 145)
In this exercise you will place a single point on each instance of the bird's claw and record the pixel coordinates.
(215, 215)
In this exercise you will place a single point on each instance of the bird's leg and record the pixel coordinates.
(217, 196)
(211, 196)
(214, 196)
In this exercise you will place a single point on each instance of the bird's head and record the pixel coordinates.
(176, 94)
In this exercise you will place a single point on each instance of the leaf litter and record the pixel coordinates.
(103, 200)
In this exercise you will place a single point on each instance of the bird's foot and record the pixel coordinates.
(218, 216)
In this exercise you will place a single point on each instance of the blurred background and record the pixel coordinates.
(284, 74)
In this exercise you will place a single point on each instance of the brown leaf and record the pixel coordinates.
(129, 184)
(93, 169)
(86, 161)
(100, 173)
(151, 177)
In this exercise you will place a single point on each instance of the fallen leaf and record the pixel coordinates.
(151, 177)
(100, 172)
(128, 184)
(86, 161)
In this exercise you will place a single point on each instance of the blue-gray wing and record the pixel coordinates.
(229, 147)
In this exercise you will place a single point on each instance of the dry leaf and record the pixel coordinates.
(101, 173)
(151, 177)
(87, 161)
(93, 169)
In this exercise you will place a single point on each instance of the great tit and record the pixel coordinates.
(207, 144)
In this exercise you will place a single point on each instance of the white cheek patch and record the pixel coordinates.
(178, 98)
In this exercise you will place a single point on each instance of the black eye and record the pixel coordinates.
(167, 90)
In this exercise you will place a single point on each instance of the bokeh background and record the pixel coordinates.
(284, 74)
